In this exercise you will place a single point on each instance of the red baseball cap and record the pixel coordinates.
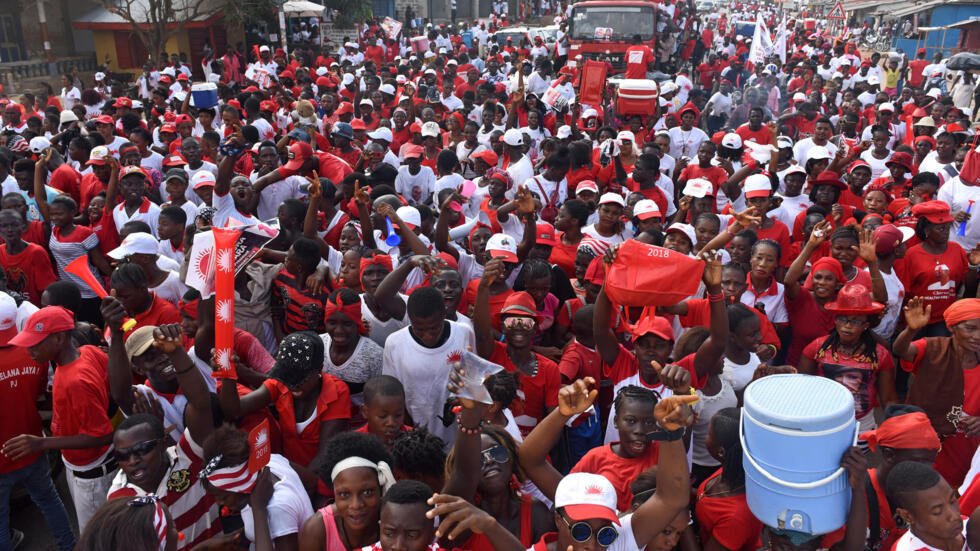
(104, 119)
(123, 102)
(487, 155)
(344, 108)
(174, 160)
(41, 324)
(299, 152)
(653, 324)
(546, 234)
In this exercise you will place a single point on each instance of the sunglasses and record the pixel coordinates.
(495, 454)
(582, 532)
(519, 323)
(139, 450)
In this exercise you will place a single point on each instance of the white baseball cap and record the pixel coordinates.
(585, 496)
(784, 141)
(38, 144)
(98, 155)
(818, 152)
(698, 187)
(8, 318)
(887, 106)
(625, 135)
(264, 48)
(794, 169)
(614, 198)
(410, 216)
(799, 96)
(136, 243)
(644, 209)
(202, 178)
(502, 246)
(431, 130)
(514, 137)
(387, 89)
(586, 185)
(383, 133)
(563, 132)
(731, 141)
(686, 229)
(67, 117)
(100, 76)
(757, 185)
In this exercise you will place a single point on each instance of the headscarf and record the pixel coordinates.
(476, 228)
(352, 311)
(236, 478)
(189, 307)
(877, 187)
(826, 263)
(502, 176)
(375, 259)
(385, 477)
(910, 431)
(962, 310)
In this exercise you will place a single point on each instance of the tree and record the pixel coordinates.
(154, 22)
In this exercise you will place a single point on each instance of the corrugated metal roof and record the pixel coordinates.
(139, 8)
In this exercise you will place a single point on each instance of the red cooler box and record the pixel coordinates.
(637, 97)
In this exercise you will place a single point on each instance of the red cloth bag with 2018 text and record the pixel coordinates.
(647, 275)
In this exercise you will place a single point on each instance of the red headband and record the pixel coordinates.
(352, 311)
(377, 259)
(189, 309)
(911, 431)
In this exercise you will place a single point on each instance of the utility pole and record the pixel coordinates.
(45, 39)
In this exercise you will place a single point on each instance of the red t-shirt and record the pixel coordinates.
(808, 320)
(637, 58)
(857, 374)
(80, 403)
(762, 136)
(579, 361)
(21, 382)
(160, 312)
(714, 174)
(28, 272)
(699, 315)
(915, 71)
(564, 256)
(537, 395)
(89, 188)
(727, 519)
(333, 403)
(934, 277)
(35, 233)
(67, 180)
(301, 310)
(621, 472)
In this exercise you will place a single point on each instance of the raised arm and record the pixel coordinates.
(917, 314)
(673, 493)
(39, 192)
(795, 271)
(482, 325)
(465, 475)
(120, 370)
(197, 414)
(713, 348)
(602, 328)
(407, 234)
(572, 400)
(441, 239)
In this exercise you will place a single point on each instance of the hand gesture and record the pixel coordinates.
(263, 490)
(765, 352)
(43, 159)
(712, 268)
(524, 200)
(361, 196)
(145, 403)
(458, 516)
(430, 265)
(747, 219)
(867, 247)
(314, 283)
(577, 397)
(113, 313)
(917, 313)
(684, 204)
(675, 412)
(610, 255)
(168, 338)
(674, 377)
(856, 466)
(820, 233)
(837, 213)
(493, 271)
(386, 210)
(974, 255)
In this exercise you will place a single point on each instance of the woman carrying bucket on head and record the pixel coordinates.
(851, 355)
(946, 383)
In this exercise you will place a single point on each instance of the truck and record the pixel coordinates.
(604, 29)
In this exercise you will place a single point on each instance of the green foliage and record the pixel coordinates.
(349, 12)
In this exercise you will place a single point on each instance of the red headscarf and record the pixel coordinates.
(911, 431)
(826, 263)
(379, 259)
(351, 310)
(189, 308)
(962, 310)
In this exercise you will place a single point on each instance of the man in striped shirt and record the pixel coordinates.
(146, 465)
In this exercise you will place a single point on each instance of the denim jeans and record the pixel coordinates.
(36, 479)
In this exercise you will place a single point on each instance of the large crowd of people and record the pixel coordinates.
(450, 204)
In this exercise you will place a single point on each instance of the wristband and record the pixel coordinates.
(716, 297)
(662, 435)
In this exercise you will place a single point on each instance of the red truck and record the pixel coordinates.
(604, 29)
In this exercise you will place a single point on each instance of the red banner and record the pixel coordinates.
(224, 301)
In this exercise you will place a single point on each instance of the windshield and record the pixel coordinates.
(611, 22)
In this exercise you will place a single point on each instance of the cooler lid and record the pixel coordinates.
(204, 86)
(638, 85)
(799, 402)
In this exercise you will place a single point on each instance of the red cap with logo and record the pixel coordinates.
(41, 324)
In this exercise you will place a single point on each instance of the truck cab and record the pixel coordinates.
(604, 29)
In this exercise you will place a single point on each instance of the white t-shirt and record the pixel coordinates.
(685, 143)
(147, 212)
(896, 295)
(224, 206)
(273, 195)
(172, 289)
(520, 172)
(289, 506)
(803, 146)
(775, 308)
(425, 372)
(154, 161)
(958, 196)
(415, 188)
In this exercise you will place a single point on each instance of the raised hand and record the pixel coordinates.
(577, 397)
